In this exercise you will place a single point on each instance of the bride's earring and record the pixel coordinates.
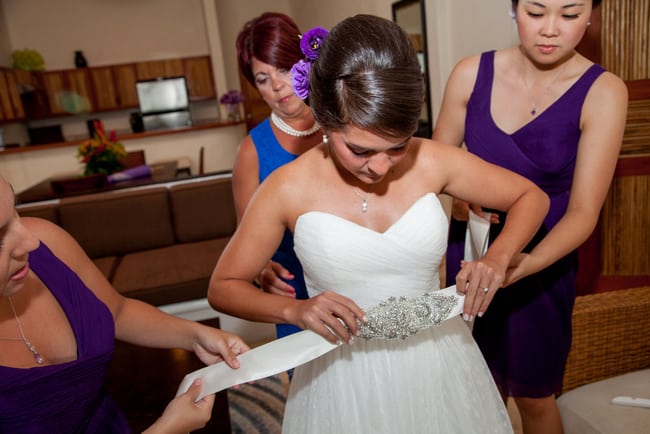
(326, 139)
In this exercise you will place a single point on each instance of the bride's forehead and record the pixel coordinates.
(352, 135)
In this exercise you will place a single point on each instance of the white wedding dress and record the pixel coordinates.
(435, 381)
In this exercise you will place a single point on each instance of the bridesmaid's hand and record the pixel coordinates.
(460, 211)
(184, 413)
(270, 280)
(522, 265)
(329, 314)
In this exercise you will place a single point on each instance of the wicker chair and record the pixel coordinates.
(610, 356)
(611, 336)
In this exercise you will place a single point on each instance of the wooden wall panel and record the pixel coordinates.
(626, 227)
(636, 139)
(625, 38)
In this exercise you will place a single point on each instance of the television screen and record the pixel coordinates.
(162, 95)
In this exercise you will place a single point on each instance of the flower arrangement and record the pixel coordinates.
(310, 45)
(101, 155)
(231, 100)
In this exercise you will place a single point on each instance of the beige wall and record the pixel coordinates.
(25, 169)
(116, 31)
(107, 31)
(5, 49)
(460, 28)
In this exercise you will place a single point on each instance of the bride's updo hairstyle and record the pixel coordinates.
(368, 75)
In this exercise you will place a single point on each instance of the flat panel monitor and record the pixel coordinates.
(162, 95)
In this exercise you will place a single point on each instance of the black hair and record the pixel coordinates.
(594, 3)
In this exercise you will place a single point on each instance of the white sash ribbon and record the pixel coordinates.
(278, 356)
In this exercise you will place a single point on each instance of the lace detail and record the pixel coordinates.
(404, 316)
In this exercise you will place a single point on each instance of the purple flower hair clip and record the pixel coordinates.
(300, 78)
(310, 44)
(312, 41)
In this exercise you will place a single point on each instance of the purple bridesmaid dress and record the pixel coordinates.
(525, 335)
(68, 397)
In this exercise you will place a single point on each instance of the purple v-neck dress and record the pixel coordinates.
(525, 334)
(68, 397)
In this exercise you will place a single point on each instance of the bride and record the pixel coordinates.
(363, 207)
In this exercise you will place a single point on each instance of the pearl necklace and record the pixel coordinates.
(287, 129)
(37, 356)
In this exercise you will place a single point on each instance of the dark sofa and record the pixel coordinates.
(158, 244)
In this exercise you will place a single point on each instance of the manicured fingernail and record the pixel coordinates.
(466, 316)
(480, 314)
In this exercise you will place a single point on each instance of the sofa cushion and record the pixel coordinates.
(589, 409)
(107, 265)
(184, 268)
(116, 223)
(203, 210)
(44, 210)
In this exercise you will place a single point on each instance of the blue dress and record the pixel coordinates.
(270, 156)
(68, 397)
(525, 335)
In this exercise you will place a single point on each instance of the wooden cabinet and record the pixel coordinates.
(113, 87)
(159, 68)
(11, 107)
(68, 91)
(96, 89)
(124, 78)
(198, 72)
(104, 92)
(255, 108)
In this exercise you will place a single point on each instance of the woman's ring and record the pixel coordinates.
(486, 289)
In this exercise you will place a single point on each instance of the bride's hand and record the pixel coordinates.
(479, 281)
(331, 315)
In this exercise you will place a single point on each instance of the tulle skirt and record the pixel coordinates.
(433, 382)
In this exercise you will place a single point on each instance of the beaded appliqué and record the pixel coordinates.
(401, 317)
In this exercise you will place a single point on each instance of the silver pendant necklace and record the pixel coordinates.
(37, 356)
(533, 109)
(287, 129)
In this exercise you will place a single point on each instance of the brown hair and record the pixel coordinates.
(272, 38)
(367, 75)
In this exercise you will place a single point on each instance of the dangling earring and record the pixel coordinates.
(326, 139)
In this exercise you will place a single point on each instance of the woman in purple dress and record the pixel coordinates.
(58, 320)
(537, 109)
